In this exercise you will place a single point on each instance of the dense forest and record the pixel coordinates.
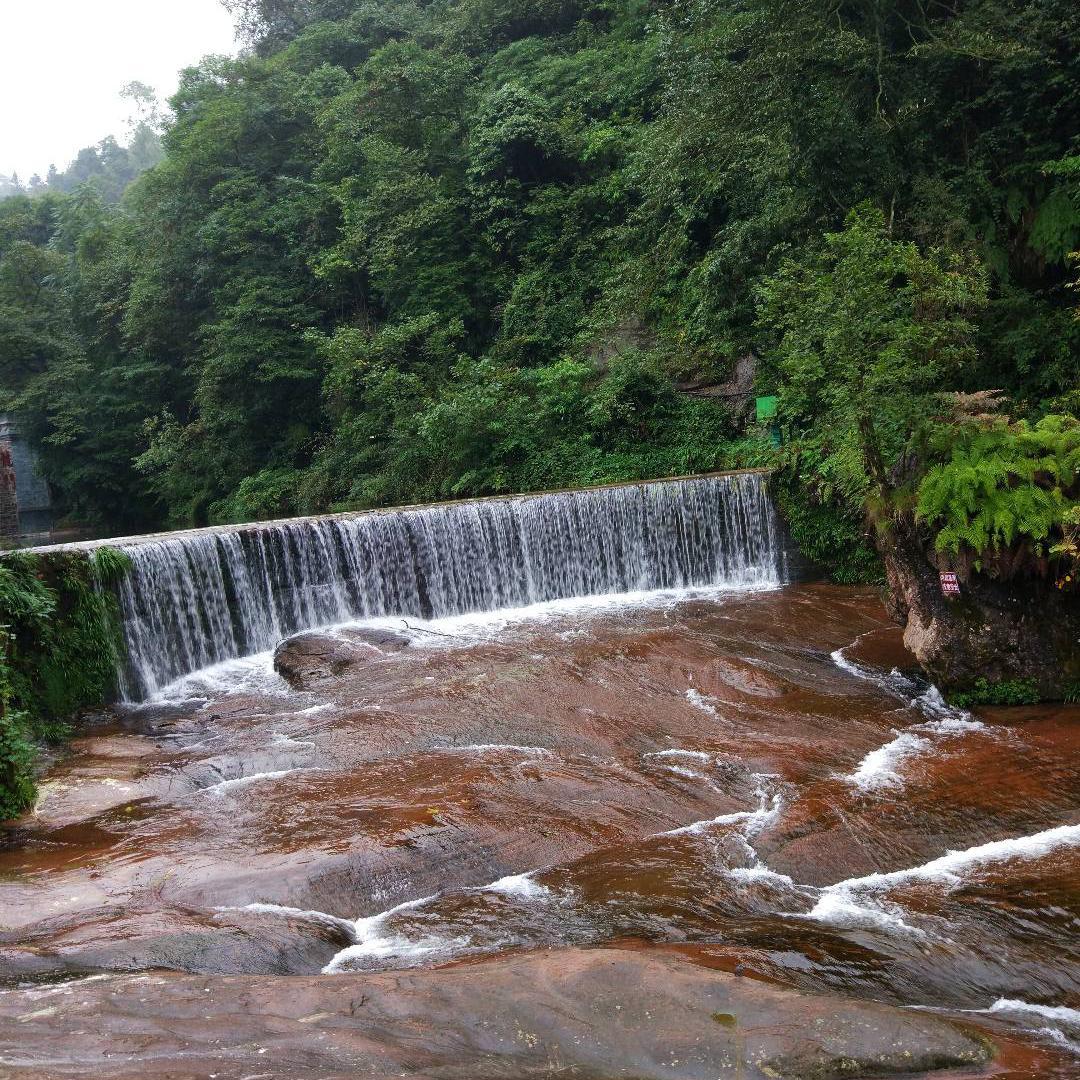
(403, 250)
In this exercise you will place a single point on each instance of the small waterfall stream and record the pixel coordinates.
(197, 599)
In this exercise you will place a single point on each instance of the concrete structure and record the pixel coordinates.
(9, 499)
(34, 503)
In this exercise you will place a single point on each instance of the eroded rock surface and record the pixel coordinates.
(307, 660)
(597, 1013)
(575, 829)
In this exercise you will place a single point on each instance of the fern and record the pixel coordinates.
(1005, 483)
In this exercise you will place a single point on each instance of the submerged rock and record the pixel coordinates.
(595, 1012)
(312, 658)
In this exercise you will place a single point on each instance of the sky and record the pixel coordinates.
(63, 62)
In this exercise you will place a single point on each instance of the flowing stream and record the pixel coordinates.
(615, 800)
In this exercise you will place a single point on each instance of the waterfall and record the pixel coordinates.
(196, 599)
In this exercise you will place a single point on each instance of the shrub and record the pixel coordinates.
(1001, 692)
(60, 647)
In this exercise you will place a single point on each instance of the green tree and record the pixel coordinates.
(870, 331)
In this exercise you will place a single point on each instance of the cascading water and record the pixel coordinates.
(198, 599)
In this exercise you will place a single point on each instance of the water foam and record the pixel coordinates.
(373, 943)
(881, 767)
(1062, 1025)
(296, 913)
(239, 782)
(846, 902)
(700, 701)
(927, 700)
(246, 675)
(1060, 1013)
(759, 872)
(752, 821)
(519, 885)
(694, 755)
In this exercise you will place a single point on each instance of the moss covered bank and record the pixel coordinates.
(60, 646)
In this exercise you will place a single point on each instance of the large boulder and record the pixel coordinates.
(999, 629)
(310, 659)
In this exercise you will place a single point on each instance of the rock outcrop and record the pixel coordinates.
(997, 630)
(310, 659)
(575, 1012)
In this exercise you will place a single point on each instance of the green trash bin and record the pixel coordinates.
(766, 414)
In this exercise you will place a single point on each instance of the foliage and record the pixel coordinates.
(492, 431)
(397, 251)
(832, 538)
(869, 331)
(1001, 482)
(1002, 692)
(60, 638)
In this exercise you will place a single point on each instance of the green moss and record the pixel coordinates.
(60, 647)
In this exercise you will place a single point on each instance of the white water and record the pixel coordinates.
(856, 901)
(700, 701)
(374, 942)
(519, 885)
(752, 821)
(1056, 1023)
(928, 701)
(881, 768)
(197, 600)
(225, 786)
(296, 913)
(692, 755)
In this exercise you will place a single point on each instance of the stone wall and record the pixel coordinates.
(9, 499)
(34, 503)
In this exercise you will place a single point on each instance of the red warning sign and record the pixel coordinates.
(950, 586)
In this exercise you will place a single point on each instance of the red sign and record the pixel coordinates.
(949, 584)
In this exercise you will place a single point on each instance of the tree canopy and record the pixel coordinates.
(404, 250)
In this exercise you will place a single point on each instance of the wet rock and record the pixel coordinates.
(1002, 626)
(311, 659)
(230, 942)
(743, 678)
(595, 1012)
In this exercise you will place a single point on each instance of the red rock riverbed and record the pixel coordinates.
(712, 835)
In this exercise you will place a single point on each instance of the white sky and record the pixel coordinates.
(63, 62)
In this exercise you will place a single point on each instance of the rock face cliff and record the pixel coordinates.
(996, 629)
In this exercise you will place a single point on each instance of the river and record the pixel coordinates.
(445, 852)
